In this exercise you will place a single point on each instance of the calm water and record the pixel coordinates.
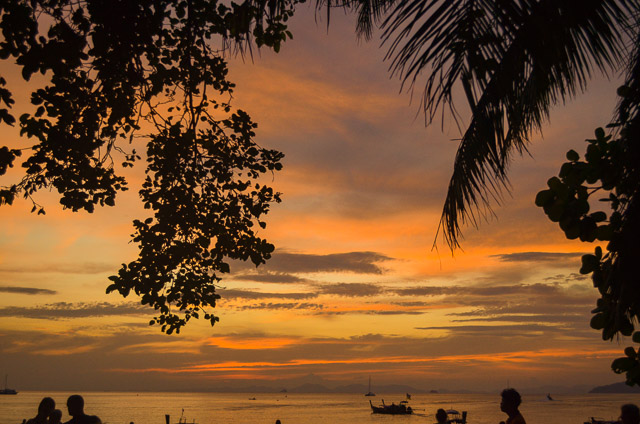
(237, 408)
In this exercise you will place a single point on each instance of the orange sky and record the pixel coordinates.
(354, 288)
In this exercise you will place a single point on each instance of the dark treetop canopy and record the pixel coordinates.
(120, 71)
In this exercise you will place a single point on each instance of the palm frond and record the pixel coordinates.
(369, 13)
(514, 59)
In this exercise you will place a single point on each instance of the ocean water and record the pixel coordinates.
(294, 408)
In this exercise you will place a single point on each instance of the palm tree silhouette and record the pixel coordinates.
(513, 59)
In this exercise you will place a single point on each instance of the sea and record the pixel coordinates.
(297, 408)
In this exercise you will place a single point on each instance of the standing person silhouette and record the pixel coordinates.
(75, 404)
(46, 407)
(510, 402)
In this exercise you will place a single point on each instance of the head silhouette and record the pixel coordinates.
(441, 416)
(46, 406)
(75, 404)
(629, 414)
(55, 417)
(510, 400)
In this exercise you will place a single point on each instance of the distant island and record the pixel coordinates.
(615, 388)
(319, 388)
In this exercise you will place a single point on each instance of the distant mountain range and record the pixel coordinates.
(615, 388)
(315, 384)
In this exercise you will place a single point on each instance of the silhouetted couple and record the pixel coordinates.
(48, 414)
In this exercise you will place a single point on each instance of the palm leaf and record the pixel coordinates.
(514, 59)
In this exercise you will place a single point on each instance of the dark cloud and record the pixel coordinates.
(563, 318)
(357, 262)
(525, 289)
(282, 306)
(254, 295)
(560, 308)
(537, 256)
(412, 304)
(564, 278)
(73, 268)
(371, 312)
(74, 310)
(25, 290)
(279, 277)
(528, 330)
(350, 289)
(426, 291)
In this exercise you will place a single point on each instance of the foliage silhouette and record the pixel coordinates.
(611, 171)
(120, 70)
(513, 60)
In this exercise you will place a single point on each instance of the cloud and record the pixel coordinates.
(372, 312)
(527, 330)
(253, 295)
(250, 342)
(74, 310)
(536, 256)
(282, 306)
(25, 290)
(268, 277)
(502, 290)
(579, 306)
(350, 289)
(539, 318)
(72, 268)
(356, 262)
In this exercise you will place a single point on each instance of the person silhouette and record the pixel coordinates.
(75, 405)
(629, 414)
(510, 402)
(441, 416)
(47, 405)
(55, 417)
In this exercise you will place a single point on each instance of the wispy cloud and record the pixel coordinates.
(69, 268)
(350, 289)
(537, 256)
(234, 294)
(25, 290)
(502, 330)
(248, 342)
(539, 318)
(504, 358)
(501, 290)
(74, 310)
(282, 306)
(268, 277)
(355, 262)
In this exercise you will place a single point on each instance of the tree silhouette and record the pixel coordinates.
(609, 172)
(119, 70)
(513, 60)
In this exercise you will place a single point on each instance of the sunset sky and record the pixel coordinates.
(354, 288)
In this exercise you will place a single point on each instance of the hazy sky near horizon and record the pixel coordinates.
(354, 288)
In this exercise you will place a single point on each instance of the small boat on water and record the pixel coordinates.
(6, 390)
(455, 417)
(402, 408)
(369, 393)
(182, 420)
